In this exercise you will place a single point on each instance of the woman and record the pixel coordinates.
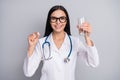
(58, 49)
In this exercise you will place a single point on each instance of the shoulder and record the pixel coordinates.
(74, 38)
(41, 40)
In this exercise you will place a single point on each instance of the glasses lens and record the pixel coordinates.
(53, 19)
(62, 19)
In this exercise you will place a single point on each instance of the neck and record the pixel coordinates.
(58, 35)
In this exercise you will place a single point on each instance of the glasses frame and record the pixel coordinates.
(58, 18)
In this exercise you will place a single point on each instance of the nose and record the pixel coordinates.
(58, 21)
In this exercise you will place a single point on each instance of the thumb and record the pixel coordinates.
(78, 26)
(38, 35)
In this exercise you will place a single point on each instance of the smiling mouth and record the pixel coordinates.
(57, 27)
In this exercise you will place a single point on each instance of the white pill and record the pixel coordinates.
(38, 33)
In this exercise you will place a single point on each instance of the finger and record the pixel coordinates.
(34, 35)
(37, 35)
(30, 37)
(79, 28)
(86, 27)
(87, 30)
(85, 24)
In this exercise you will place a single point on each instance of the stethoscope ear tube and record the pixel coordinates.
(66, 60)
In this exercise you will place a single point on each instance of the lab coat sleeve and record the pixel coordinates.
(32, 63)
(89, 54)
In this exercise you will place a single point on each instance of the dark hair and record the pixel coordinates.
(49, 29)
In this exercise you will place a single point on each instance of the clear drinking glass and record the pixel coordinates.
(80, 22)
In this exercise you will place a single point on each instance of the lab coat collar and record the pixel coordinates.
(63, 44)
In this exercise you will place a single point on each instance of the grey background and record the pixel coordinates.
(19, 18)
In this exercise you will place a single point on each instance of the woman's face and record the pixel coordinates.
(58, 21)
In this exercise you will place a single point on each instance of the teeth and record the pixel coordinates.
(58, 26)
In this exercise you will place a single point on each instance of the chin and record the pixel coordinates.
(58, 30)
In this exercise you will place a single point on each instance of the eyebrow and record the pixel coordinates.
(58, 17)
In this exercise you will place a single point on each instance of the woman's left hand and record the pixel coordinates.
(86, 28)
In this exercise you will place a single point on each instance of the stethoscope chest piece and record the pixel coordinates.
(66, 60)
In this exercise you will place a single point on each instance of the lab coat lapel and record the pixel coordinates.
(52, 43)
(64, 49)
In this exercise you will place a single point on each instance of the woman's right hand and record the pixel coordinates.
(32, 41)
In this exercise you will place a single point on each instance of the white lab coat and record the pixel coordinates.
(56, 68)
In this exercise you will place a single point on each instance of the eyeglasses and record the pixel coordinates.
(61, 19)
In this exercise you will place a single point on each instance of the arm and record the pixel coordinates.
(89, 52)
(92, 57)
(32, 63)
(33, 58)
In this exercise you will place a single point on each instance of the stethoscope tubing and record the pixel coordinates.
(46, 42)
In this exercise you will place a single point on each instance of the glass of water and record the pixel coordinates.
(80, 22)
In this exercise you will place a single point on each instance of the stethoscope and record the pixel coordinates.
(66, 60)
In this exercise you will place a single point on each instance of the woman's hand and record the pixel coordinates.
(33, 38)
(86, 29)
(32, 41)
